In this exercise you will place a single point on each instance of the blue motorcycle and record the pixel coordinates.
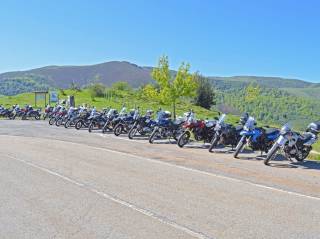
(123, 123)
(166, 127)
(256, 138)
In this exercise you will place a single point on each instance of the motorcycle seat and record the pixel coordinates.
(271, 131)
(239, 127)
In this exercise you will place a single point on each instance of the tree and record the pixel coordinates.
(205, 93)
(173, 88)
(252, 92)
(121, 85)
(97, 90)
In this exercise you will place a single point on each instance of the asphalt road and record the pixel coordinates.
(63, 183)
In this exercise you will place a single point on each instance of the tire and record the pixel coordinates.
(132, 132)
(239, 147)
(272, 152)
(52, 121)
(118, 129)
(106, 127)
(59, 122)
(67, 124)
(37, 117)
(90, 128)
(214, 143)
(183, 139)
(153, 135)
(79, 124)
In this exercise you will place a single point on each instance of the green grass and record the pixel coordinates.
(316, 147)
(130, 99)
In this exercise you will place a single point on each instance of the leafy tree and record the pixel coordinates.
(252, 92)
(121, 85)
(205, 93)
(150, 92)
(97, 90)
(173, 88)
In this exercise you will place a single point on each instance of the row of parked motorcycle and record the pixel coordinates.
(184, 129)
(16, 112)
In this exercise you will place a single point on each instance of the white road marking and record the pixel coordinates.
(143, 211)
(190, 169)
(121, 138)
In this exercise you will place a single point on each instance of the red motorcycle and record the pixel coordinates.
(201, 130)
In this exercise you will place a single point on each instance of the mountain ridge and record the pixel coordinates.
(62, 76)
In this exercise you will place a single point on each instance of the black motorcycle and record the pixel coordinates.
(225, 134)
(83, 121)
(110, 122)
(98, 121)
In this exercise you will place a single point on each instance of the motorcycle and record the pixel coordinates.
(124, 123)
(83, 120)
(47, 112)
(293, 144)
(256, 138)
(225, 134)
(142, 124)
(201, 130)
(109, 124)
(166, 128)
(58, 115)
(98, 121)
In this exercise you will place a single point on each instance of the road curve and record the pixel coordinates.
(59, 183)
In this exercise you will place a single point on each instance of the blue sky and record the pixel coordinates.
(230, 37)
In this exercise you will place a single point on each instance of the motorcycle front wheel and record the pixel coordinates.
(184, 139)
(239, 147)
(52, 121)
(214, 143)
(118, 129)
(132, 132)
(79, 124)
(153, 135)
(271, 154)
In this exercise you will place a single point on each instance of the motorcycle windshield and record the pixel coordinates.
(123, 111)
(285, 128)
(191, 118)
(249, 124)
(221, 119)
(136, 115)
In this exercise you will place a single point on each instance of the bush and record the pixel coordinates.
(121, 86)
(97, 90)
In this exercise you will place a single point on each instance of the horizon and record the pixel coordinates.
(231, 38)
(73, 65)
